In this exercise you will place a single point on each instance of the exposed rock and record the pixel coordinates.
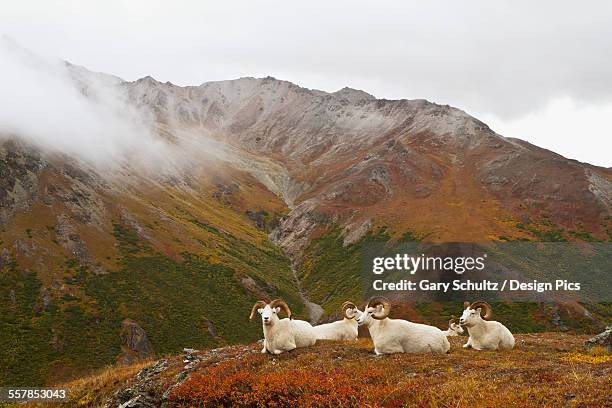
(43, 303)
(553, 311)
(251, 285)
(293, 232)
(353, 95)
(354, 232)
(603, 339)
(24, 248)
(225, 192)
(130, 220)
(142, 394)
(135, 344)
(258, 218)
(69, 238)
(210, 327)
(600, 187)
(20, 166)
(380, 175)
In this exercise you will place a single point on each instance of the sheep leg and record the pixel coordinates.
(468, 344)
(264, 349)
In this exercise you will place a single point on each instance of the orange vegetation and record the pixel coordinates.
(537, 373)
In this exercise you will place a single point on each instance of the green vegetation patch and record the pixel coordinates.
(331, 271)
(195, 302)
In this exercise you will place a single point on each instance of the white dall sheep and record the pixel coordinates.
(345, 329)
(484, 334)
(454, 328)
(399, 336)
(282, 334)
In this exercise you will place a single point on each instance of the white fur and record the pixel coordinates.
(485, 334)
(401, 336)
(345, 329)
(284, 334)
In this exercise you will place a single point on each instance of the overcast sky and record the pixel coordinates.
(536, 70)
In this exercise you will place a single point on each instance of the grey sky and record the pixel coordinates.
(540, 71)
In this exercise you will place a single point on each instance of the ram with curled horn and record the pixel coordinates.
(285, 334)
(399, 336)
(454, 328)
(345, 329)
(485, 334)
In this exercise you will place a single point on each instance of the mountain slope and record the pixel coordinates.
(354, 159)
(82, 252)
(262, 176)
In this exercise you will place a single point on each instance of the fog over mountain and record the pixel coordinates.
(67, 109)
(538, 71)
(46, 102)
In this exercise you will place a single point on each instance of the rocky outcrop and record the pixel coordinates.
(20, 166)
(225, 192)
(140, 394)
(43, 303)
(293, 231)
(258, 218)
(603, 339)
(135, 344)
(152, 385)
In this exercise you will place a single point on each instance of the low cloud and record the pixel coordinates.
(66, 109)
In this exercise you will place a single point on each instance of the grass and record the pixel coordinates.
(331, 272)
(174, 300)
(544, 370)
(584, 236)
(94, 389)
(535, 374)
(545, 231)
(597, 355)
(22, 333)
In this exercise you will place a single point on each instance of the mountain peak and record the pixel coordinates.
(352, 94)
(148, 80)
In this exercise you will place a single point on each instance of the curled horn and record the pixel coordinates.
(466, 304)
(256, 306)
(284, 307)
(346, 306)
(484, 305)
(379, 300)
(453, 320)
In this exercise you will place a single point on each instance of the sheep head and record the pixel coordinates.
(269, 311)
(473, 313)
(378, 308)
(349, 310)
(454, 326)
